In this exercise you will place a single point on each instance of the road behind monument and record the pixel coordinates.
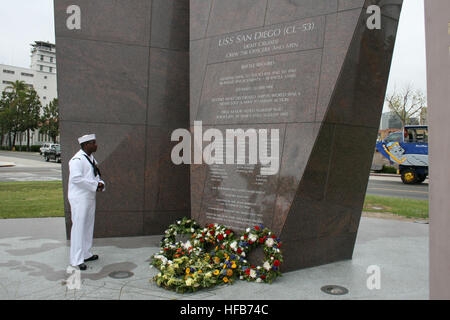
(24, 166)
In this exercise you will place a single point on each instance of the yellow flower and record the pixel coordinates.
(216, 272)
(225, 279)
(200, 271)
(233, 266)
(188, 270)
(229, 272)
(216, 260)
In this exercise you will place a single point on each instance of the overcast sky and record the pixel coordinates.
(24, 21)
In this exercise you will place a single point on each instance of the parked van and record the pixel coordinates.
(47, 146)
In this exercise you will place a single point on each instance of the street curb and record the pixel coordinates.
(384, 175)
(7, 164)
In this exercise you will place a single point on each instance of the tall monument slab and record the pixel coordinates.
(437, 27)
(123, 74)
(315, 71)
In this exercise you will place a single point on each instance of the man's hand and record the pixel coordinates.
(100, 187)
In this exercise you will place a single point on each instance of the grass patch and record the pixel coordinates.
(409, 208)
(45, 199)
(34, 199)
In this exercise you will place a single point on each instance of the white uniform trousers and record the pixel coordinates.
(83, 217)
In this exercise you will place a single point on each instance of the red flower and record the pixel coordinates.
(261, 240)
(247, 271)
(256, 228)
(279, 245)
(276, 263)
(239, 250)
(252, 266)
(211, 226)
(250, 242)
(245, 236)
(228, 232)
(273, 236)
(263, 277)
(211, 232)
(220, 237)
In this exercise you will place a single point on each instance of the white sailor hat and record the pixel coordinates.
(86, 138)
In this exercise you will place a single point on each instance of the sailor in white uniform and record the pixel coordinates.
(84, 181)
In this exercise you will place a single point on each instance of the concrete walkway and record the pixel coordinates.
(34, 259)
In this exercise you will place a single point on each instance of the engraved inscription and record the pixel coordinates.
(281, 88)
(299, 35)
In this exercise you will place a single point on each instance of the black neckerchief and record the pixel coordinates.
(96, 169)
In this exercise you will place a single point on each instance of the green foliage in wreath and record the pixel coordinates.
(213, 256)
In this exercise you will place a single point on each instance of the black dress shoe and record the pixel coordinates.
(94, 257)
(82, 266)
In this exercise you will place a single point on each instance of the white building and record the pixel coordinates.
(41, 76)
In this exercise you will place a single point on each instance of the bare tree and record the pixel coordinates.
(406, 104)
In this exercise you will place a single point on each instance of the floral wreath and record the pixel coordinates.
(170, 248)
(213, 234)
(252, 238)
(187, 267)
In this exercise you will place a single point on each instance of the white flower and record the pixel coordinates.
(187, 245)
(269, 242)
(233, 245)
(266, 265)
(247, 230)
(162, 258)
(243, 254)
(258, 280)
(242, 238)
(178, 222)
(192, 230)
(253, 237)
(253, 273)
(189, 282)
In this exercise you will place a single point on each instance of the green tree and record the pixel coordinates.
(20, 111)
(15, 96)
(4, 124)
(50, 120)
(30, 114)
(406, 104)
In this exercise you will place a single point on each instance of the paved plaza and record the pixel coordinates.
(34, 259)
